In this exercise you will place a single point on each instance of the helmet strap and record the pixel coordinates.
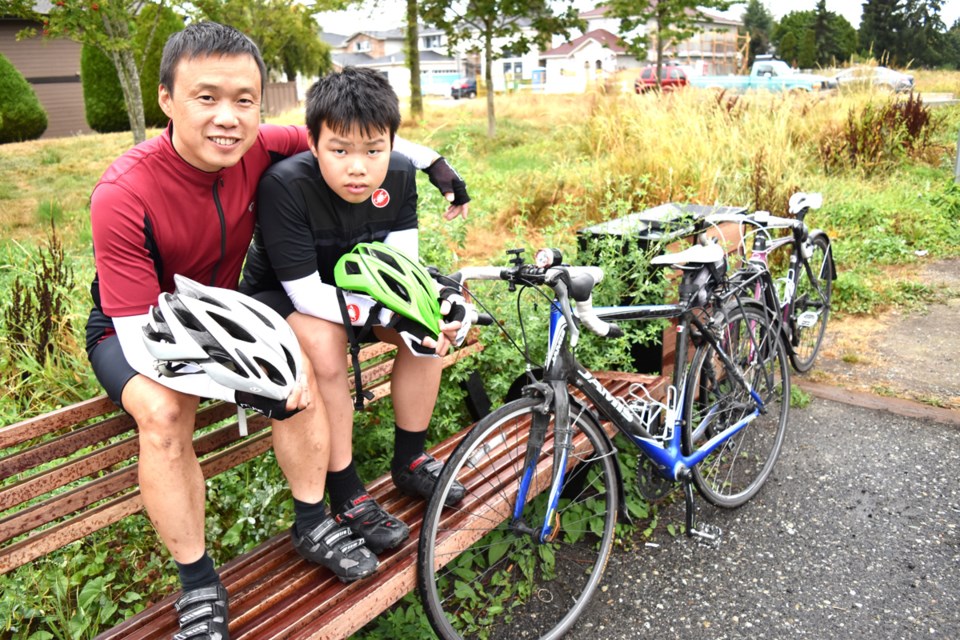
(354, 341)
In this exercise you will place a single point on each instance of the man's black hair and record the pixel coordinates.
(206, 39)
(355, 97)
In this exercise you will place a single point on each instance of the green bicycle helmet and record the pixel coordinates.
(392, 279)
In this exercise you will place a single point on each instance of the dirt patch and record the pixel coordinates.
(914, 355)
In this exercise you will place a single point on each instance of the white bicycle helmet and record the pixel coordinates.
(237, 341)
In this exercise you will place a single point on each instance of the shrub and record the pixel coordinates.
(21, 115)
(102, 94)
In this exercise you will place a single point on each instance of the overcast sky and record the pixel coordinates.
(390, 13)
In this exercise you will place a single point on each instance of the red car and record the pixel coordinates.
(671, 77)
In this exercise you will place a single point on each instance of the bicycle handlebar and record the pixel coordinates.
(567, 282)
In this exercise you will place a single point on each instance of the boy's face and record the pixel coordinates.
(352, 164)
(215, 108)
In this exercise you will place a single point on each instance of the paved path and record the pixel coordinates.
(855, 535)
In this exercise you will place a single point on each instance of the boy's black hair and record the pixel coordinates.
(205, 39)
(357, 96)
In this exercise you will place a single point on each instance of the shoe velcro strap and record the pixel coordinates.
(203, 594)
(336, 536)
(427, 464)
(199, 631)
(316, 534)
(362, 509)
(356, 543)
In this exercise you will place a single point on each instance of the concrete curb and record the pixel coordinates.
(899, 406)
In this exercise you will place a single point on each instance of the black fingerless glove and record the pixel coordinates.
(273, 409)
(447, 180)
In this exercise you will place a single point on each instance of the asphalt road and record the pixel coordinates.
(855, 535)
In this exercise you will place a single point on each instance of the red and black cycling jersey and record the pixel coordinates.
(305, 227)
(153, 215)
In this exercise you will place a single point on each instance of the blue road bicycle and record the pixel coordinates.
(523, 553)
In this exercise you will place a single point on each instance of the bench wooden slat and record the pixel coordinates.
(110, 484)
(82, 525)
(71, 416)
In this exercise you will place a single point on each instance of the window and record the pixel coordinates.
(361, 45)
(433, 41)
(647, 74)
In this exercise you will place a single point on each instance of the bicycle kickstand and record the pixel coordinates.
(706, 534)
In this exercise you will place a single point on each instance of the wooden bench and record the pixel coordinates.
(275, 594)
(73, 471)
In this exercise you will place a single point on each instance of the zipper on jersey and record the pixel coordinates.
(223, 230)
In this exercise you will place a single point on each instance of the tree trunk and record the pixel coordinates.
(488, 81)
(129, 76)
(413, 61)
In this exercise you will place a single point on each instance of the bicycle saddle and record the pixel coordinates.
(697, 254)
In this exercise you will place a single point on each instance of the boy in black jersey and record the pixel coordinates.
(315, 207)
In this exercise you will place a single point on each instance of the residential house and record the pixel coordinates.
(717, 48)
(52, 67)
(384, 51)
(593, 58)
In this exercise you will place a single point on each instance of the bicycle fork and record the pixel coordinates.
(557, 402)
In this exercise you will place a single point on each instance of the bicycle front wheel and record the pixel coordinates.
(811, 306)
(482, 572)
(735, 471)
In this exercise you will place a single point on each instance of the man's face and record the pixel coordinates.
(215, 108)
(352, 164)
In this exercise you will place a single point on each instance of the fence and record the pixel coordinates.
(279, 97)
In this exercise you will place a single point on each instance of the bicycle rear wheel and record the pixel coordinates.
(736, 470)
(482, 573)
(811, 307)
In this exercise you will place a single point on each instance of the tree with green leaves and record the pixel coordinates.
(795, 38)
(924, 35)
(107, 25)
(758, 25)
(881, 24)
(672, 21)
(285, 31)
(496, 26)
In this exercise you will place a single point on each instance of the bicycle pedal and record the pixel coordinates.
(707, 534)
(808, 319)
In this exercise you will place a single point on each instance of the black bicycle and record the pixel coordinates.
(522, 554)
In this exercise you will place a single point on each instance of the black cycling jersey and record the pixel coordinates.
(303, 226)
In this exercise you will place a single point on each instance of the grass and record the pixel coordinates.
(559, 163)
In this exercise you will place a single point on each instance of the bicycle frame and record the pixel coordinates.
(666, 450)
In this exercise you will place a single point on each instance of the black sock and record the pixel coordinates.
(198, 574)
(306, 516)
(343, 485)
(407, 446)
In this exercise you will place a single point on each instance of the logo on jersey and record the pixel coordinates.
(380, 198)
(354, 312)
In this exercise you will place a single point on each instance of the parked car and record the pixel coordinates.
(767, 74)
(464, 88)
(671, 77)
(882, 77)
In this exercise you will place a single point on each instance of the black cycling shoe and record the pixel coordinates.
(334, 547)
(203, 614)
(419, 478)
(366, 518)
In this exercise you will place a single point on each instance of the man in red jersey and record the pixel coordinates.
(184, 203)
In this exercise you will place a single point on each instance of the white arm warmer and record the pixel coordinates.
(421, 156)
(311, 296)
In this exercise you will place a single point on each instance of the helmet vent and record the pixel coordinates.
(246, 363)
(235, 330)
(270, 371)
(259, 315)
(397, 287)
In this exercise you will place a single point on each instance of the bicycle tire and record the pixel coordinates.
(505, 583)
(812, 300)
(736, 470)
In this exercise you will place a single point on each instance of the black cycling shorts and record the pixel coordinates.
(111, 367)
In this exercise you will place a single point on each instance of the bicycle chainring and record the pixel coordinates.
(651, 484)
